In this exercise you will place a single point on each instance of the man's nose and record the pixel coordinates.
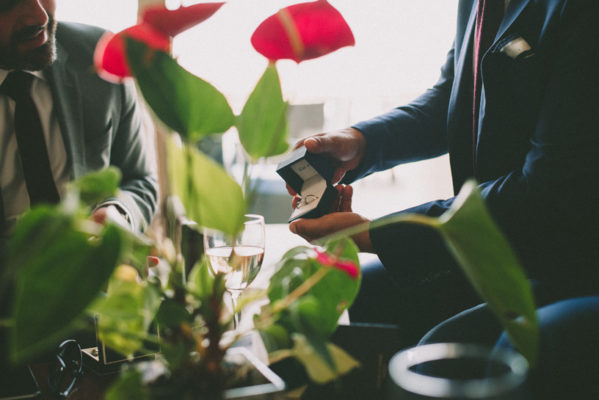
(34, 13)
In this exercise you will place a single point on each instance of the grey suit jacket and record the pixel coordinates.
(101, 123)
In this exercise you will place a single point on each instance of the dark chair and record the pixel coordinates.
(568, 365)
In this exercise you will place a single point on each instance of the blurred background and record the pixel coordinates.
(400, 47)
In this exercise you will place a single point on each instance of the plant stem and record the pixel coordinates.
(408, 218)
(300, 290)
(266, 317)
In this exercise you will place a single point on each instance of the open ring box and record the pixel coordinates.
(310, 175)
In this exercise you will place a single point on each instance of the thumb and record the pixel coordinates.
(320, 144)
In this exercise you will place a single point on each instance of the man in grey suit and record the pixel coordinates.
(88, 124)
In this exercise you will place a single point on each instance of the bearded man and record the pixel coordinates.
(60, 121)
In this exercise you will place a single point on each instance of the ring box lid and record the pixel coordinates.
(303, 165)
(310, 175)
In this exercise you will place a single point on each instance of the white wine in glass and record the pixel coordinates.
(238, 258)
(240, 264)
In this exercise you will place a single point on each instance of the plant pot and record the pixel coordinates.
(253, 380)
(262, 382)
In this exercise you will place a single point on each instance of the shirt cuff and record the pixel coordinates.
(121, 209)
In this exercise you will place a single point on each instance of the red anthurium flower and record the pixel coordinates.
(302, 32)
(173, 22)
(109, 57)
(157, 25)
(348, 267)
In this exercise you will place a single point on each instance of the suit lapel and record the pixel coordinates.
(459, 117)
(465, 55)
(67, 105)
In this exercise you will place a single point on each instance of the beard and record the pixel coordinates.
(31, 60)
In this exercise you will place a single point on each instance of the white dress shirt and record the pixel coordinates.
(12, 182)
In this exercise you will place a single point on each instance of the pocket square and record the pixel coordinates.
(516, 48)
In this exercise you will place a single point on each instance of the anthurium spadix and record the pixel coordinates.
(302, 31)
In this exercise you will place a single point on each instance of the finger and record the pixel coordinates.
(346, 203)
(298, 144)
(339, 174)
(296, 199)
(338, 200)
(99, 215)
(320, 143)
(309, 229)
(290, 190)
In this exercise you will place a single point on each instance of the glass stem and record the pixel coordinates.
(236, 314)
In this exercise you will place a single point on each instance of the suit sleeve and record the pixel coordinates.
(133, 153)
(548, 207)
(408, 133)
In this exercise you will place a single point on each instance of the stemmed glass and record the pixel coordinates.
(239, 258)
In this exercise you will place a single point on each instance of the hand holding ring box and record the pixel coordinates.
(310, 175)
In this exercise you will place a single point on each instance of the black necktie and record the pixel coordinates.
(30, 139)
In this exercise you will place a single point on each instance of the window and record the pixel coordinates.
(400, 46)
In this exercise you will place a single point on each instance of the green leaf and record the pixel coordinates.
(337, 290)
(128, 387)
(310, 316)
(491, 265)
(59, 271)
(318, 370)
(125, 314)
(315, 314)
(209, 195)
(184, 102)
(262, 125)
(275, 337)
(172, 314)
(97, 186)
(201, 282)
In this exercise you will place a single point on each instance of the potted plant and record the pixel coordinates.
(312, 286)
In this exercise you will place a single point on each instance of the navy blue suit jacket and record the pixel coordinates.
(536, 151)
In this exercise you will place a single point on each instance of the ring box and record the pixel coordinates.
(310, 175)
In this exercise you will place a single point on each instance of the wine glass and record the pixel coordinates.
(239, 258)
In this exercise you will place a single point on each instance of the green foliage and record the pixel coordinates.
(206, 288)
(172, 314)
(314, 315)
(184, 102)
(125, 314)
(210, 196)
(201, 282)
(491, 265)
(262, 124)
(59, 270)
(97, 186)
(317, 368)
(128, 387)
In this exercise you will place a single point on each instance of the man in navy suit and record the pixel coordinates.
(88, 124)
(532, 144)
